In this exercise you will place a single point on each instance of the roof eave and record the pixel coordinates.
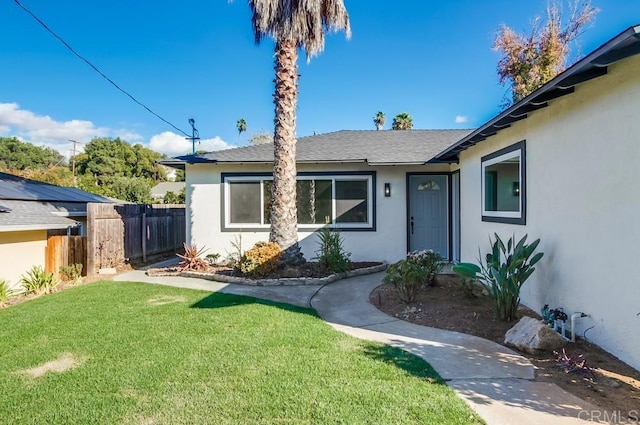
(31, 227)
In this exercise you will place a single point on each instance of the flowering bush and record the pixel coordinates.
(430, 261)
(260, 260)
(409, 275)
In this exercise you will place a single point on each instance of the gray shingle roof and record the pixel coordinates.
(31, 205)
(32, 215)
(19, 188)
(161, 189)
(372, 147)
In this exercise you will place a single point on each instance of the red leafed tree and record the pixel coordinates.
(530, 60)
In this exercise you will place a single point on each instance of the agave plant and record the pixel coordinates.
(191, 259)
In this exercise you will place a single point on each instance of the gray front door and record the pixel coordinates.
(428, 213)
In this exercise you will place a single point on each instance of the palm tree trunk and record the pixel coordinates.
(284, 215)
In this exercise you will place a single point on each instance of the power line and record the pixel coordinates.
(68, 46)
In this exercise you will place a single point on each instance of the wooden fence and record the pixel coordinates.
(117, 233)
(63, 251)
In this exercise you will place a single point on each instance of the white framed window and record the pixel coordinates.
(345, 201)
(503, 185)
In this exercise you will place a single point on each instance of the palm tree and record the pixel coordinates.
(241, 125)
(402, 121)
(293, 25)
(378, 120)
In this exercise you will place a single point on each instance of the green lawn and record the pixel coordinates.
(147, 354)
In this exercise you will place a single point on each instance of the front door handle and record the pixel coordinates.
(412, 225)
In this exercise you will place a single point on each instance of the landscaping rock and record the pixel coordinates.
(532, 336)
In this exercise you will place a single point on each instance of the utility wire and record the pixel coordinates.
(68, 46)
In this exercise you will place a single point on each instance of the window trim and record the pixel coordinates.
(369, 176)
(508, 217)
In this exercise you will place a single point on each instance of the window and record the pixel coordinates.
(343, 200)
(503, 185)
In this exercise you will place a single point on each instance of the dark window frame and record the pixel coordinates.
(495, 218)
(226, 227)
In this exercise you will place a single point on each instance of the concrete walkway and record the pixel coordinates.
(496, 382)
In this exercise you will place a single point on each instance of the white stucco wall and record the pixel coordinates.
(388, 243)
(19, 251)
(583, 201)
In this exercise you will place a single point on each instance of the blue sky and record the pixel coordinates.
(197, 58)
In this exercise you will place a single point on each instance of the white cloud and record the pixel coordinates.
(460, 119)
(43, 130)
(175, 145)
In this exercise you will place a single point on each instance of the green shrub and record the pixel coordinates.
(407, 277)
(71, 273)
(37, 281)
(430, 261)
(259, 261)
(331, 255)
(5, 292)
(503, 273)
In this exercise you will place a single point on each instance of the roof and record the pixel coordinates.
(32, 215)
(387, 147)
(595, 64)
(20, 188)
(396, 147)
(161, 189)
(32, 205)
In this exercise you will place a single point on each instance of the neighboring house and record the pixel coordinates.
(560, 165)
(158, 191)
(30, 212)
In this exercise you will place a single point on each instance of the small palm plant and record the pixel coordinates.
(379, 120)
(241, 125)
(402, 121)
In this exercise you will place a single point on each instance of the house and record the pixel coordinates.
(160, 190)
(560, 165)
(30, 212)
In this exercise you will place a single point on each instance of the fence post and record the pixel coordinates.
(144, 237)
(91, 239)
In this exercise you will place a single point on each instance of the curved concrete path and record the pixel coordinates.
(496, 382)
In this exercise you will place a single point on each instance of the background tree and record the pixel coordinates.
(241, 125)
(379, 120)
(529, 61)
(18, 155)
(112, 167)
(180, 177)
(292, 25)
(261, 139)
(402, 121)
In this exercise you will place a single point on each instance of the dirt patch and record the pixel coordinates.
(166, 299)
(65, 362)
(615, 387)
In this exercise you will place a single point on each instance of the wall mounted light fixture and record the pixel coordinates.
(516, 188)
(387, 190)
